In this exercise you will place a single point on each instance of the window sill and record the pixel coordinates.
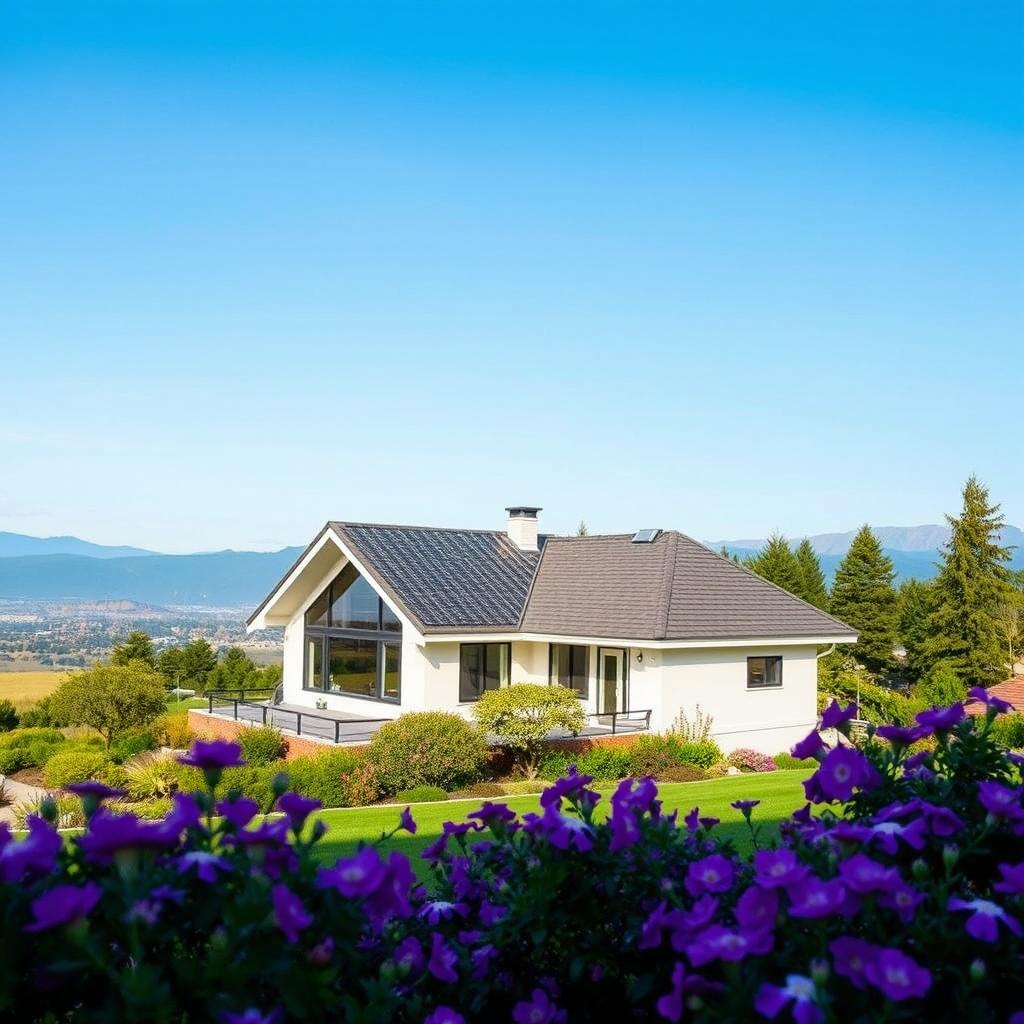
(353, 696)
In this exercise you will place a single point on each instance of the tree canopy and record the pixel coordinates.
(188, 666)
(777, 564)
(863, 597)
(136, 647)
(914, 601)
(812, 579)
(972, 584)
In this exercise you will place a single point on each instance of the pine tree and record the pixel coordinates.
(914, 600)
(864, 598)
(973, 582)
(777, 564)
(812, 581)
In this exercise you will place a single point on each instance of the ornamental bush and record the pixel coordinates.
(702, 753)
(25, 737)
(420, 795)
(523, 715)
(262, 744)
(751, 761)
(12, 759)
(68, 766)
(8, 716)
(427, 748)
(900, 900)
(651, 754)
(324, 777)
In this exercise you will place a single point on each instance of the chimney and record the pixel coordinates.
(522, 526)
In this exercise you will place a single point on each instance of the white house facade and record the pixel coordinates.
(380, 620)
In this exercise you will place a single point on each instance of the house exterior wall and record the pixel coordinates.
(769, 720)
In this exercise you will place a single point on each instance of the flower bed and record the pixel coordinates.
(901, 899)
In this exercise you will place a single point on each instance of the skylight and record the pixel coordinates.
(645, 536)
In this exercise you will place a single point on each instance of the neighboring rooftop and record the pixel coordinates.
(1011, 690)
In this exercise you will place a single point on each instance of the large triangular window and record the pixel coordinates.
(351, 603)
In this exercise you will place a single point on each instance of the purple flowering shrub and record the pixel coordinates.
(752, 761)
(897, 893)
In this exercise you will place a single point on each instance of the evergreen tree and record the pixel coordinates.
(812, 580)
(914, 600)
(235, 671)
(777, 564)
(863, 597)
(973, 582)
(137, 647)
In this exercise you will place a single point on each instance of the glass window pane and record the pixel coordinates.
(314, 663)
(496, 657)
(392, 664)
(755, 672)
(352, 666)
(356, 604)
(773, 672)
(561, 667)
(389, 620)
(317, 613)
(580, 674)
(470, 671)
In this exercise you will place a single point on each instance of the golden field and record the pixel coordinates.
(23, 688)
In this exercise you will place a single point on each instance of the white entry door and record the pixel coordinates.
(610, 682)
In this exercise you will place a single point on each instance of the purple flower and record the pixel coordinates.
(442, 960)
(93, 790)
(238, 812)
(670, 1005)
(1012, 881)
(757, 908)
(941, 719)
(896, 975)
(63, 905)
(205, 864)
(712, 874)
(864, 875)
(498, 815)
(34, 855)
(903, 736)
(904, 899)
(718, 943)
(253, 1016)
(842, 771)
(834, 717)
(810, 746)
(444, 1015)
(289, 913)
(996, 704)
(851, 958)
(270, 833)
(391, 897)
(435, 911)
(206, 754)
(354, 876)
(778, 868)
(563, 831)
(406, 822)
(745, 806)
(298, 808)
(110, 834)
(983, 924)
(813, 898)
(539, 1010)
(799, 991)
(885, 834)
(571, 782)
(1000, 801)
(408, 955)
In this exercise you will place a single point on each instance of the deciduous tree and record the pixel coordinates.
(863, 596)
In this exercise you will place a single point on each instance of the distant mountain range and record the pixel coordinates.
(70, 569)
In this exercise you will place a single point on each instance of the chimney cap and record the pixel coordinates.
(529, 511)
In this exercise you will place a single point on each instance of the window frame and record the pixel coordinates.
(322, 635)
(483, 667)
(553, 681)
(767, 659)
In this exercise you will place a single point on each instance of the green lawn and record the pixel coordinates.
(780, 794)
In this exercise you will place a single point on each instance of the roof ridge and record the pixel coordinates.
(667, 585)
(412, 526)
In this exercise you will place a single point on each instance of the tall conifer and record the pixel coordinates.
(777, 564)
(812, 580)
(863, 597)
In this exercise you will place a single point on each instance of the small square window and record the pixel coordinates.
(764, 673)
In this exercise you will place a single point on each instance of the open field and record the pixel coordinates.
(23, 688)
(780, 794)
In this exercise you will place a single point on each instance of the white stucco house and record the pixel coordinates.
(379, 620)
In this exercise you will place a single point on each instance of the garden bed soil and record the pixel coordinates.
(30, 776)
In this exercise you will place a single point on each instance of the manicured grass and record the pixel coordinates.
(23, 688)
(780, 794)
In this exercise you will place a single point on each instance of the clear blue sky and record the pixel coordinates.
(719, 267)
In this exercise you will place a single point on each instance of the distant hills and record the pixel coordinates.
(74, 570)
(914, 550)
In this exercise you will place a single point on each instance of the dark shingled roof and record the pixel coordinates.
(671, 589)
(464, 579)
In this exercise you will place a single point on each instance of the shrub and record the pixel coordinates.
(23, 737)
(133, 742)
(1008, 730)
(432, 748)
(324, 777)
(420, 795)
(149, 810)
(788, 761)
(262, 744)
(8, 716)
(522, 716)
(751, 761)
(362, 786)
(601, 762)
(683, 773)
(941, 686)
(517, 787)
(12, 760)
(68, 766)
(151, 775)
(702, 753)
(37, 715)
(555, 763)
(694, 730)
(878, 704)
(651, 755)
(174, 731)
(36, 754)
(67, 811)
